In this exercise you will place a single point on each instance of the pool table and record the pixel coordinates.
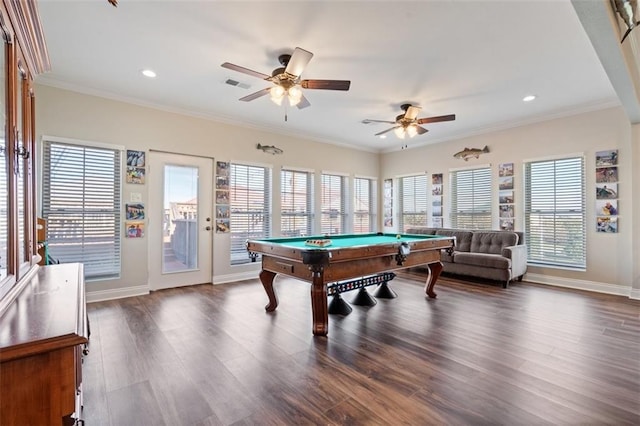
(346, 257)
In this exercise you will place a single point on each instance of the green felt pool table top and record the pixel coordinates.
(350, 240)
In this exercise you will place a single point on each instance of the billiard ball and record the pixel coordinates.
(398, 236)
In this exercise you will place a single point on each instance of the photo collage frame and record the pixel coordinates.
(436, 200)
(506, 199)
(607, 206)
(135, 211)
(222, 197)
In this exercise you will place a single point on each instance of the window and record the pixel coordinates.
(4, 204)
(334, 214)
(555, 212)
(82, 203)
(413, 201)
(364, 205)
(4, 168)
(250, 203)
(297, 203)
(22, 180)
(471, 198)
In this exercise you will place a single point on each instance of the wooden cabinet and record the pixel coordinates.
(42, 309)
(23, 56)
(42, 337)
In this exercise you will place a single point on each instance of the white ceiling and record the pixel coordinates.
(475, 59)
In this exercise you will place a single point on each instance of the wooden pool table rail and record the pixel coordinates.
(322, 266)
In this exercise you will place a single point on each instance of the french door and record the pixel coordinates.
(180, 220)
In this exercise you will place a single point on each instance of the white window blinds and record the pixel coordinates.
(296, 203)
(334, 215)
(471, 198)
(250, 203)
(555, 212)
(4, 210)
(82, 204)
(364, 205)
(413, 201)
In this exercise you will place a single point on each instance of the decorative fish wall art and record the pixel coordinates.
(270, 149)
(467, 153)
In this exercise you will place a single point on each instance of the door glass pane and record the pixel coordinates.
(21, 180)
(180, 224)
(3, 171)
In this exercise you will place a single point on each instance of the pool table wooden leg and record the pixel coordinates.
(319, 304)
(434, 272)
(266, 278)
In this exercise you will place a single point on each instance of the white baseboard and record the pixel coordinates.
(231, 278)
(598, 287)
(102, 295)
(120, 293)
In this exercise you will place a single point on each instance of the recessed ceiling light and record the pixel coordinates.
(148, 73)
(529, 98)
(383, 136)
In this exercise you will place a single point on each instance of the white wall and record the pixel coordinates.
(68, 114)
(610, 257)
(635, 234)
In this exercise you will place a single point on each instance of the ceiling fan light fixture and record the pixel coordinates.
(277, 93)
(412, 130)
(399, 131)
(295, 95)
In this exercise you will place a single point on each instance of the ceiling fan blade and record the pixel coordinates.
(412, 112)
(298, 61)
(255, 95)
(438, 119)
(326, 84)
(245, 70)
(385, 131)
(421, 130)
(368, 121)
(304, 102)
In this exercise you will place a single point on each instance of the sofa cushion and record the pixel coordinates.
(421, 230)
(463, 238)
(482, 259)
(492, 242)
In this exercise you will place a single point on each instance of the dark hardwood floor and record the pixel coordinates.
(478, 354)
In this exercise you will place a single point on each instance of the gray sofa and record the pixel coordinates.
(495, 255)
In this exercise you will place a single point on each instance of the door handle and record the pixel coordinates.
(207, 228)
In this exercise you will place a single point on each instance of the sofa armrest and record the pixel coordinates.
(518, 256)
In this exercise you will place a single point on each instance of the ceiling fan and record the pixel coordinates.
(408, 123)
(286, 80)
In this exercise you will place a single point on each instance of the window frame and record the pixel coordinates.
(116, 211)
(477, 212)
(237, 249)
(307, 214)
(561, 216)
(421, 217)
(330, 211)
(370, 203)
